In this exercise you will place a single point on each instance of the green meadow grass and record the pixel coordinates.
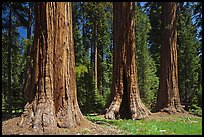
(169, 125)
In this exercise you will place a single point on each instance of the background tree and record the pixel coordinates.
(153, 11)
(81, 56)
(147, 79)
(52, 101)
(196, 8)
(125, 100)
(168, 98)
(29, 45)
(188, 56)
(12, 51)
(90, 98)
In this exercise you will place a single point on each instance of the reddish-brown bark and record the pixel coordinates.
(168, 98)
(125, 99)
(53, 99)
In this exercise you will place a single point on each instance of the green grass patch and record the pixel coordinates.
(169, 125)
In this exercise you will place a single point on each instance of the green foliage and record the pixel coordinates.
(83, 27)
(98, 102)
(198, 97)
(13, 98)
(188, 60)
(80, 70)
(197, 15)
(17, 68)
(196, 110)
(148, 81)
(89, 99)
(153, 11)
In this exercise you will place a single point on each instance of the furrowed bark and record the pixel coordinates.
(126, 102)
(54, 101)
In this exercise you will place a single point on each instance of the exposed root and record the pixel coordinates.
(173, 110)
(110, 115)
(139, 115)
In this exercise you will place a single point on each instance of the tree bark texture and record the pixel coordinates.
(125, 99)
(168, 98)
(53, 99)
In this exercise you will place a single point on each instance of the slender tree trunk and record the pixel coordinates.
(9, 61)
(53, 88)
(92, 47)
(28, 75)
(168, 98)
(100, 70)
(125, 97)
(95, 54)
(185, 85)
(29, 24)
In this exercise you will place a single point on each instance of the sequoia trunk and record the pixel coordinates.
(168, 94)
(125, 99)
(53, 100)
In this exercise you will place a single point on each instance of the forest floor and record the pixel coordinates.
(102, 126)
(11, 127)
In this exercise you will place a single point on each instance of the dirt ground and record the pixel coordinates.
(11, 127)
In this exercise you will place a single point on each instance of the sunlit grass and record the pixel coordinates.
(169, 125)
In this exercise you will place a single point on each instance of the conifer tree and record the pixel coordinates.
(125, 99)
(168, 98)
(147, 79)
(188, 56)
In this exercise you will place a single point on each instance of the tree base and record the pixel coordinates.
(173, 110)
(134, 114)
(141, 115)
(43, 118)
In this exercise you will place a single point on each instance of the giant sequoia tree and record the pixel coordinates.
(125, 98)
(168, 98)
(52, 93)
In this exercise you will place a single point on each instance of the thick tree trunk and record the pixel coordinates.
(53, 90)
(168, 94)
(125, 98)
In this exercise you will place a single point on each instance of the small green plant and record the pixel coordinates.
(195, 110)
